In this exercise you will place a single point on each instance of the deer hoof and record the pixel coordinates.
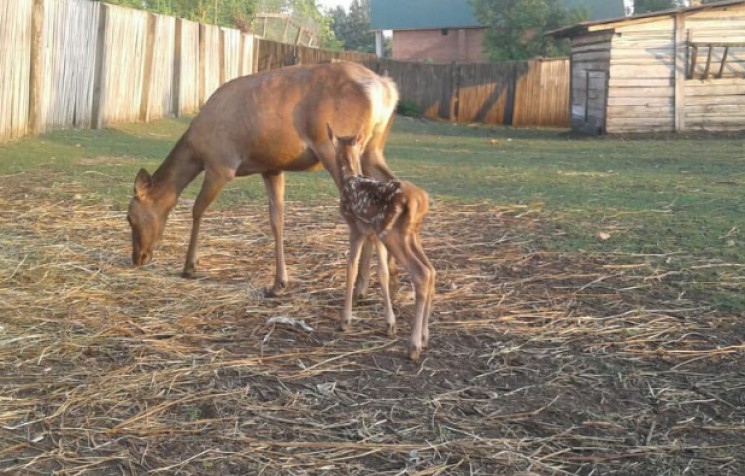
(277, 290)
(344, 325)
(189, 273)
(391, 330)
(415, 354)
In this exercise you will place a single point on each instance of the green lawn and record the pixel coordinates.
(679, 197)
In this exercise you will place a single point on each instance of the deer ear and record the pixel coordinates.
(143, 184)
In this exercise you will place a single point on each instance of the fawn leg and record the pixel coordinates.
(390, 317)
(356, 241)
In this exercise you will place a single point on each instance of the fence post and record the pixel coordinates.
(147, 77)
(454, 91)
(509, 107)
(37, 72)
(202, 55)
(221, 56)
(176, 80)
(99, 71)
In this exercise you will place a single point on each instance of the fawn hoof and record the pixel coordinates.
(359, 297)
(415, 354)
(391, 330)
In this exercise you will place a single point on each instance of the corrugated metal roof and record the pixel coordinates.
(421, 14)
(434, 14)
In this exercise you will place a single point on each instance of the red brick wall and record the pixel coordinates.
(463, 45)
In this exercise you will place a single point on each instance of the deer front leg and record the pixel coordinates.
(356, 240)
(274, 183)
(211, 187)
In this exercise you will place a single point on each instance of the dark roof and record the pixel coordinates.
(436, 14)
(421, 14)
(585, 27)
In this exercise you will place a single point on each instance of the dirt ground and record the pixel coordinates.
(540, 363)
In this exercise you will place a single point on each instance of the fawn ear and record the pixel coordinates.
(330, 132)
(359, 137)
(143, 184)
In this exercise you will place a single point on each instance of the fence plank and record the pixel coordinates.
(189, 67)
(209, 61)
(15, 67)
(123, 65)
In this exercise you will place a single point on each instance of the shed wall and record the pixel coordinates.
(641, 92)
(717, 103)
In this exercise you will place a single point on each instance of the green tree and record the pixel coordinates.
(516, 27)
(353, 28)
(646, 6)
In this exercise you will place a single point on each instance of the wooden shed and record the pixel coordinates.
(674, 70)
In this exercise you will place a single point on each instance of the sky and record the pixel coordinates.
(331, 4)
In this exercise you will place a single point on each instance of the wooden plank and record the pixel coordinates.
(640, 111)
(644, 71)
(16, 20)
(148, 71)
(646, 92)
(681, 58)
(738, 100)
(724, 61)
(726, 108)
(640, 83)
(99, 70)
(36, 68)
(640, 101)
(715, 89)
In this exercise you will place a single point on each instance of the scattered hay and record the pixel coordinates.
(541, 363)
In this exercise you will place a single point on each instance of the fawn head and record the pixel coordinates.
(347, 152)
(146, 219)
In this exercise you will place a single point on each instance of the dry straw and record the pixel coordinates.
(540, 363)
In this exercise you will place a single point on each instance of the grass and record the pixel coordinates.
(674, 196)
(555, 350)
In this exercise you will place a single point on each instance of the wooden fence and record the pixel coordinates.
(80, 63)
(531, 93)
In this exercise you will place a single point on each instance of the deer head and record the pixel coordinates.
(146, 219)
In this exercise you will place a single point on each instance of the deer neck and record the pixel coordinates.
(174, 174)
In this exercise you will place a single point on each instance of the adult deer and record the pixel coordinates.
(266, 124)
(391, 215)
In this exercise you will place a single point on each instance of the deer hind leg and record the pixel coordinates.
(274, 183)
(383, 274)
(356, 240)
(211, 187)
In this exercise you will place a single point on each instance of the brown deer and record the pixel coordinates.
(390, 214)
(265, 124)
